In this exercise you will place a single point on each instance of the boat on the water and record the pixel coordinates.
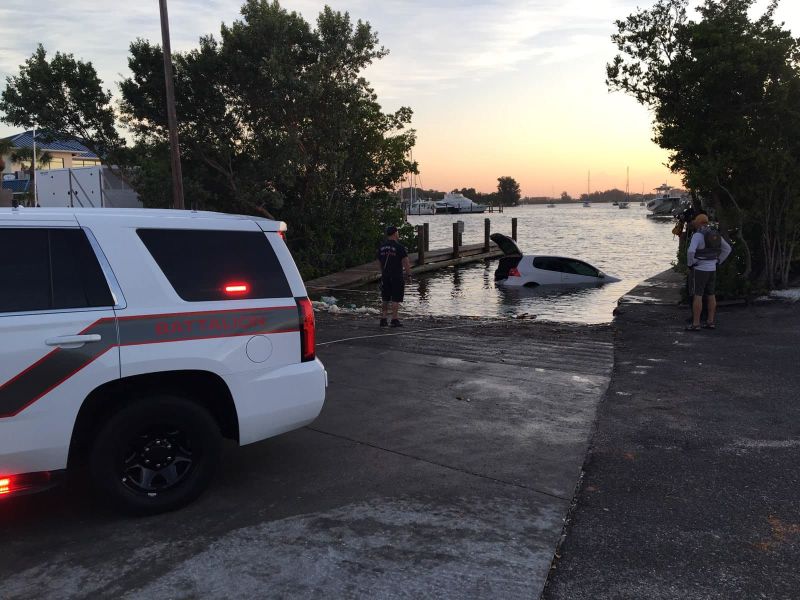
(587, 204)
(666, 201)
(455, 203)
(421, 207)
(622, 204)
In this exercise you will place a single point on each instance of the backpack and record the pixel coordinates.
(713, 244)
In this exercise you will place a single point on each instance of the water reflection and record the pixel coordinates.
(456, 291)
(422, 289)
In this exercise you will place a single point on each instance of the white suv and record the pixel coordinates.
(133, 340)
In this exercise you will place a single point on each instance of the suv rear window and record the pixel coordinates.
(49, 269)
(201, 264)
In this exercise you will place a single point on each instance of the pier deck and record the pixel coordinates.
(434, 259)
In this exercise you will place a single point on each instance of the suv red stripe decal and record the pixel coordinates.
(55, 368)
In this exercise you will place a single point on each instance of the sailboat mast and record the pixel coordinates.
(627, 183)
(411, 176)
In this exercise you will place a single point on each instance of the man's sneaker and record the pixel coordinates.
(396, 323)
(384, 323)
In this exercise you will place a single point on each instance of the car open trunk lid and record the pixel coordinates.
(506, 244)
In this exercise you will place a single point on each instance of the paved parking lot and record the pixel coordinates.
(442, 466)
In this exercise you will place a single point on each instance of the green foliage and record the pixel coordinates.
(508, 192)
(724, 92)
(24, 156)
(276, 120)
(5, 147)
(612, 195)
(63, 96)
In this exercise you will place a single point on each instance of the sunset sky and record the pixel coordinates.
(498, 88)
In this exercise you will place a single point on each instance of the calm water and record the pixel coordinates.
(623, 243)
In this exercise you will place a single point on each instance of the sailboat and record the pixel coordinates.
(415, 204)
(586, 203)
(624, 203)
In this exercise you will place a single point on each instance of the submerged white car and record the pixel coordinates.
(518, 269)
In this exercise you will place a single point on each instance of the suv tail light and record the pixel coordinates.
(25, 483)
(513, 272)
(307, 329)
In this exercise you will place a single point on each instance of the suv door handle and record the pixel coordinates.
(73, 341)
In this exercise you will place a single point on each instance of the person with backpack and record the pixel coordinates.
(393, 259)
(707, 249)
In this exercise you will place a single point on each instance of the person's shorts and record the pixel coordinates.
(393, 289)
(702, 283)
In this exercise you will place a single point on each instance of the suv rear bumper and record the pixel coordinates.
(268, 404)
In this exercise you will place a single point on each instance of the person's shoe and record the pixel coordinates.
(384, 323)
(709, 326)
(693, 328)
(396, 323)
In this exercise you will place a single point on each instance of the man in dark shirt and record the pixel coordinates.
(393, 260)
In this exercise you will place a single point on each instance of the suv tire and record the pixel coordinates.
(156, 454)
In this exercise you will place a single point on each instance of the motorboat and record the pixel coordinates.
(587, 204)
(456, 203)
(421, 207)
(666, 202)
(551, 205)
(623, 204)
(532, 270)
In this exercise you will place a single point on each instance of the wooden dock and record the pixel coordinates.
(435, 259)
(423, 260)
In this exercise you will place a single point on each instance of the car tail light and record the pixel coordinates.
(14, 485)
(513, 272)
(307, 329)
(283, 235)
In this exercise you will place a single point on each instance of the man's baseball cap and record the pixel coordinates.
(391, 230)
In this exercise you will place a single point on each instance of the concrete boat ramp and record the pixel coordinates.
(442, 466)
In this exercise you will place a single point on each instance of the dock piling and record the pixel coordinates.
(456, 239)
(487, 225)
(427, 227)
(421, 244)
(514, 228)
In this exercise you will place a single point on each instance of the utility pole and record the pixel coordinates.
(172, 120)
(33, 166)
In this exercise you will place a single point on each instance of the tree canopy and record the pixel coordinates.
(724, 91)
(64, 96)
(275, 119)
(508, 191)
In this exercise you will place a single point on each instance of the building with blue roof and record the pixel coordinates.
(65, 153)
(61, 181)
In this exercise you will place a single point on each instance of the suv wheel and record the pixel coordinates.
(155, 454)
